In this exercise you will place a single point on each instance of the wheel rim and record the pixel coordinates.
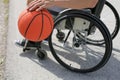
(58, 49)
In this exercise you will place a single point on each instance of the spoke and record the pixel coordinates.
(67, 36)
(70, 25)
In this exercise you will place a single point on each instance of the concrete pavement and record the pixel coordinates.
(26, 66)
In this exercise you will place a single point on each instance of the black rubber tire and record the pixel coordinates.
(101, 27)
(60, 36)
(41, 54)
(117, 27)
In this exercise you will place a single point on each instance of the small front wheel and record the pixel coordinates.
(60, 36)
(41, 54)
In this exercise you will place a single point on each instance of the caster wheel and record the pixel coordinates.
(41, 54)
(76, 42)
(25, 49)
(60, 36)
(76, 45)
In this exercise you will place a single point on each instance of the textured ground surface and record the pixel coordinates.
(3, 33)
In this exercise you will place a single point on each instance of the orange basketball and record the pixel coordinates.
(36, 25)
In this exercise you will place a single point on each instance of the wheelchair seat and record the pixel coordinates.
(55, 10)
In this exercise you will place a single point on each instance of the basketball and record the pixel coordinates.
(36, 25)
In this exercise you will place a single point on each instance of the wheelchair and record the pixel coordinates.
(80, 41)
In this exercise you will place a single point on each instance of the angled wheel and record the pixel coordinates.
(111, 20)
(74, 53)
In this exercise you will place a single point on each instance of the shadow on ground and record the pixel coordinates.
(113, 66)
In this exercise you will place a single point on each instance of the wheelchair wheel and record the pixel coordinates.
(74, 53)
(111, 20)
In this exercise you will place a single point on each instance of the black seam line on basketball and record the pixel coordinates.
(49, 20)
(30, 24)
(22, 17)
(43, 23)
(42, 26)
